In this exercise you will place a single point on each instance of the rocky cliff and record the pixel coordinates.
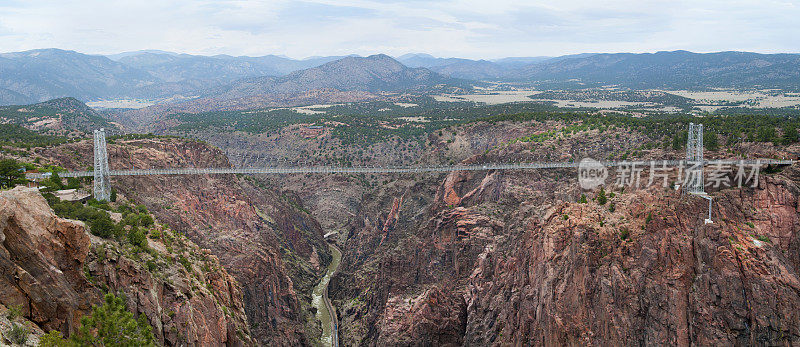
(264, 238)
(514, 259)
(54, 270)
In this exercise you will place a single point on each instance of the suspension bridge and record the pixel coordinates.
(694, 164)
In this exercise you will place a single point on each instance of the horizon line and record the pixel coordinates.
(161, 51)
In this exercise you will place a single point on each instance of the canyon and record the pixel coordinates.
(463, 258)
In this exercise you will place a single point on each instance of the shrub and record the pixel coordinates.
(611, 207)
(14, 311)
(99, 204)
(103, 227)
(145, 220)
(113, 197)
(185, 263)
(601, 197)
(151, 265)
(624, 234)
(582, 200)
(137, 237)
(73, 183)
(112, 325)
(131, 219)
(18, 334)
(54, 339)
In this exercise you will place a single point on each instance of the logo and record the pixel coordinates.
(591, 173)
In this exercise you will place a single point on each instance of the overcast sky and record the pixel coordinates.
(462, 28)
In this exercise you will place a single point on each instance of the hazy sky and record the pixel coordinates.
(463, 28)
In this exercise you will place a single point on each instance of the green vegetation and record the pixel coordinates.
(14, 312)
(109, 325)
(96, 216)
(790, 134)
(617, 95)
(14, 135)
(73, 114)
(18, 334)
(624, 234)
(601, 196)
(11, 173)
(710, 141)
(761, 128)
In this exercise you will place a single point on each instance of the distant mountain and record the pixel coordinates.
(678, 69)
(118, 56)
(456, 67)
(517, 62)
(426, 60)
(63, 116)
(376, 73)
(219, 68)
(44, 74)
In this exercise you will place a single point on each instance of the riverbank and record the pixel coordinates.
(326, 313)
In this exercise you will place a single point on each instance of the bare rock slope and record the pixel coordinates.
(55, 270)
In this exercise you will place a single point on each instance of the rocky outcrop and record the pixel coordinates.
(263, 238)
(41, 262)
(649, 273)
(56, 271)
(533, 266)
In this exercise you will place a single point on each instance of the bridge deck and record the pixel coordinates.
(398, 169)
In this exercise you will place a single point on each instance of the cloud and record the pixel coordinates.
(465, 28)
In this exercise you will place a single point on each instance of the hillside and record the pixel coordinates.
(462, 68)
(65, 117)
(170, 67)
(53, 269)
(675, 70)
(376, 73)
(43, 74)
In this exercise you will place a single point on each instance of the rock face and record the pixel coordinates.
(42, 257)
(263, 238)
(55, 271)
(673, 280)
(513, 259)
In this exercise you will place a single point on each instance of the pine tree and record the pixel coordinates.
(112, 325)
(601, 196)
(10, 174)
(790, 134)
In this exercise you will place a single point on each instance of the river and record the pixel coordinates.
(319, 299)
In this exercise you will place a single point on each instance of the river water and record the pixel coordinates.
(318, 298)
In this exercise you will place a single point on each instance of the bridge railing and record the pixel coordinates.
(396, 169)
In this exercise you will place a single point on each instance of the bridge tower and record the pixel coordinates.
(102, 189)
(694, 183)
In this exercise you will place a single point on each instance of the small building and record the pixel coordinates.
(73, 195)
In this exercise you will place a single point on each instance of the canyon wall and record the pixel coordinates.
(264, 238)
(54, 270)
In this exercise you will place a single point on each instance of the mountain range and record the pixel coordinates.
(38, 75)
(64, 116)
